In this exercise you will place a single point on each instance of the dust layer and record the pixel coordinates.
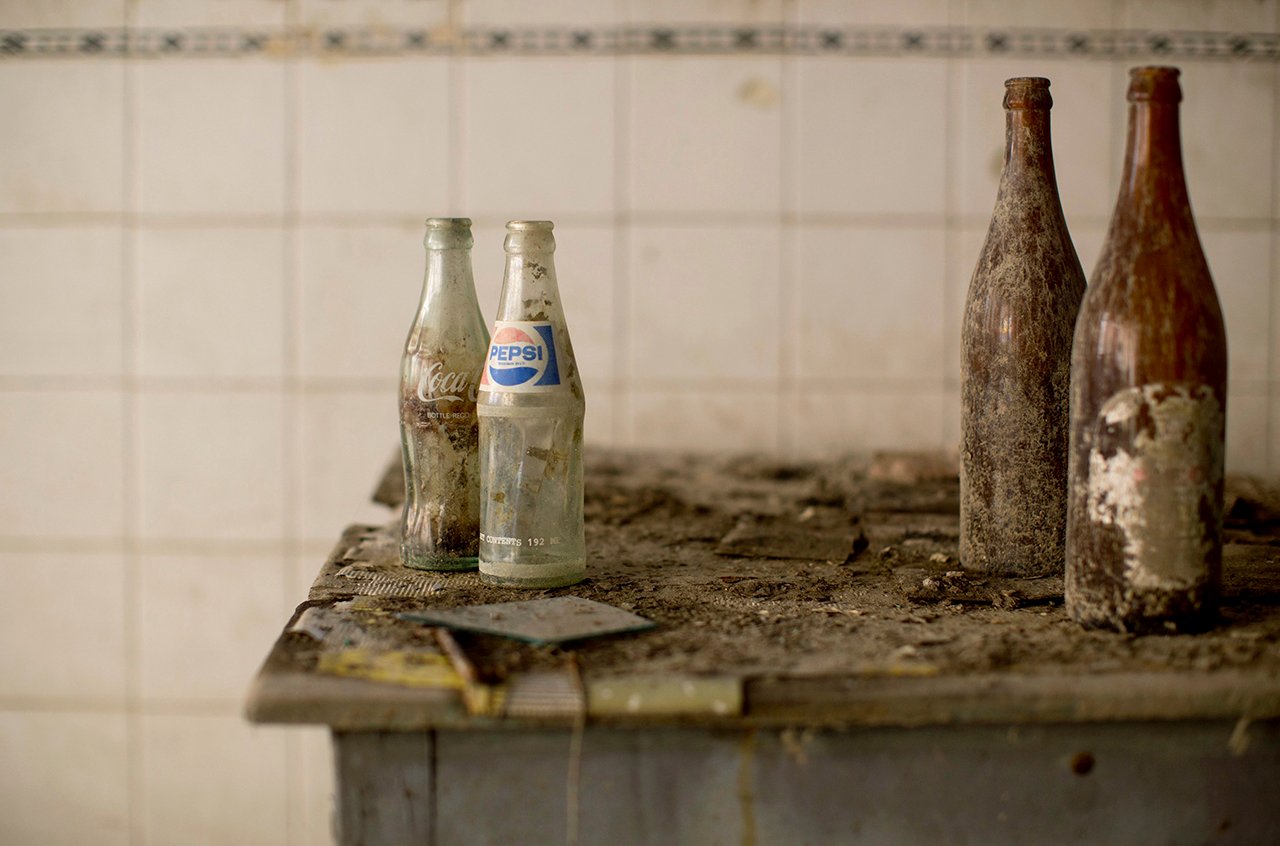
(653, 524)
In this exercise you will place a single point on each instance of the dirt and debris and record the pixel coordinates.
(657, 526)
(830, 535)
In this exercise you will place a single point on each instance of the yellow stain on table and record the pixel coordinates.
(402, 667)
(414, 669)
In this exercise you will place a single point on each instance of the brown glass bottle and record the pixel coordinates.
(1148, 398)
(1015, 368)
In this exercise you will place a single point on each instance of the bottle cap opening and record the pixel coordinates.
(448, 233)
(1154, 83)
(1027, 92)
(530, 226)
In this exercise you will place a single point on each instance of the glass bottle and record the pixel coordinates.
(439, 432)
(1016, 363)
(531, 414)
(1148, 398)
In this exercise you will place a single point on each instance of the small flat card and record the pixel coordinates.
(538, 621)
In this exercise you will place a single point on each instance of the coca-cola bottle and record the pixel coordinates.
(1148, 398)
(531, 413)
(1016, 365)
(439, 432)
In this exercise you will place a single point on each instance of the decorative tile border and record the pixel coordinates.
(652, 40)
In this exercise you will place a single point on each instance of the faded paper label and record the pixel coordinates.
(523, 357)
(1154, 469)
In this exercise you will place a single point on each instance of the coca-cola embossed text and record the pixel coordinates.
(436, 384)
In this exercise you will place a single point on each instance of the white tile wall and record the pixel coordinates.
(62, 782)
(60, 13)
(209, 264)
(708, 419)
(703, 11)
(1274, 361)
(1240, 262)
(223, 13)
(202, 622)
(359, 289)
(77, 604)
(828, 421)
(1247, 430)
(211, 466)
(714, 147)
(578, 13)
(344, 436)
(1273, 427)
(212, 779)
(1199, 15)
(1038, 13)
(210, 136)
(68, 154)
(63, 452)
(392, 111)
(851, 114)
(545, 121)
(64, 283)
(428, 14)
(212, 303)
(874, 12)
(686, 332)
(604, 419)
(1229, 180)
(869, 302)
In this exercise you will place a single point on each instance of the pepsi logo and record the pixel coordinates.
(522, 356)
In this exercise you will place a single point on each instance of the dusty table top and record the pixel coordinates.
(812, 594)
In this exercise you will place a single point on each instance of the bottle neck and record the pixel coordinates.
(1027, 148)
(448, 274)
(529, 289)
(1153, 174)
(1028, 161)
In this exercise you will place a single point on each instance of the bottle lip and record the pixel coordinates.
(448, 233)
(529, 236)
(1154, 82)
(1027, 92)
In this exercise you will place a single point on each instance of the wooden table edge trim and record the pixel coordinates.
(985, 699)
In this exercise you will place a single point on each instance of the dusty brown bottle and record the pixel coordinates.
(1148, 398)
(1015, 369)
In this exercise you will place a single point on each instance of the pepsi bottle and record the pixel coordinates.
(439, 433)
(531, 408)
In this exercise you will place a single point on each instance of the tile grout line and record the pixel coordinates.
(456, 76)
(291, 401)
(132, 476)
(190, 547)
(620, 434)
(368, 386)
(1273, 345)
(953, 86)
(786, 392)
(868, 220)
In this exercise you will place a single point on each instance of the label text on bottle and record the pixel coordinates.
(435, 384)
(523, 358)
